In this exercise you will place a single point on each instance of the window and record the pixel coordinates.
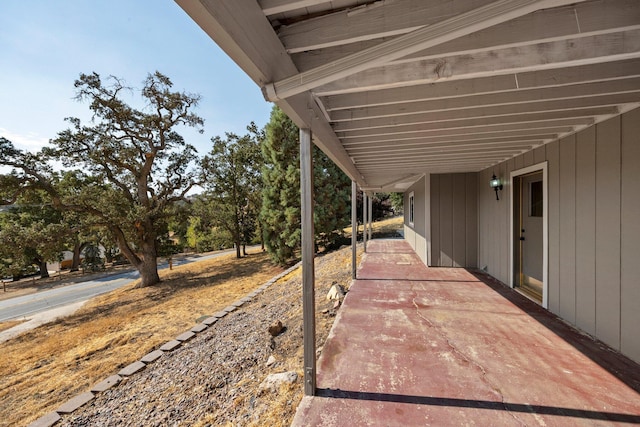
(411, 209)
(536, 201)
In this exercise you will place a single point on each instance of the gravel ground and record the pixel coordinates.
(214, 378)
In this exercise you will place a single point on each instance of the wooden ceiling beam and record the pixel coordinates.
(431, 167)
(383, 157)
(471, 134)
(401, 46)
(580, 116)
(272, 7)
(422, 145)
(543, 56)
(372, 21)
(434, 159)
(554, 78)
(565, 105)
(533, 122)
(589, 18)
(526, 96)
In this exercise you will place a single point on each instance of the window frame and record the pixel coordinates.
(411, 208)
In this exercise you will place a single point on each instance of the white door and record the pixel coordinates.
(529, 246)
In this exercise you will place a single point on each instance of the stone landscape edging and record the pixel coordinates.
(81, 399)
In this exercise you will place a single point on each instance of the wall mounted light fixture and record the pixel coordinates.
(496, 185)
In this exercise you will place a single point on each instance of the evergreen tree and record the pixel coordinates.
(397, 202)
(332, 194)
(280, 212)
(381, 206)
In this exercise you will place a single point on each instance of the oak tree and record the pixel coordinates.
(131, 164)
(231, 178)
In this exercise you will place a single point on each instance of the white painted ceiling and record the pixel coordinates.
(393, 89)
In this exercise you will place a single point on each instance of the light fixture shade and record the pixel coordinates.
(494, 182)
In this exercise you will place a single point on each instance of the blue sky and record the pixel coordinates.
(46, 44)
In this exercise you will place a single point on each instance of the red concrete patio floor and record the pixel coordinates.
(418, 346)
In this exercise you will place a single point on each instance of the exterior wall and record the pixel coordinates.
(454, 220)
(594, 228)
(417, 234)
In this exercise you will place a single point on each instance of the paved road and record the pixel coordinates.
(25, 306)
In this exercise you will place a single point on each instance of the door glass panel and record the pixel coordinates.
(536, 201)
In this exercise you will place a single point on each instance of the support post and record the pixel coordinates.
(308, 269)
(370, 210)
(354, 227)
(364, 220)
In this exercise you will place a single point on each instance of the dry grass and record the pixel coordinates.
(9, 324)
(43, 368)
(385, 228)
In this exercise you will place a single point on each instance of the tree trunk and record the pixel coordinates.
(148, 265)
(148, 270)
(244, 249)
(77, 250)
(238, 254)
(44, 273)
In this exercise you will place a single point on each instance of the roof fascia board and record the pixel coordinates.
(241, 29)
(304, 112)
(243, 32)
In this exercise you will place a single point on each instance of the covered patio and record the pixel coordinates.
(484, 114)
(414, 345)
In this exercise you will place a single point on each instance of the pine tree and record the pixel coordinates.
(332, 208)
(280, 211)
(281, 192)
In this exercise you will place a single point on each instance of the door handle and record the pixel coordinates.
(521, 238)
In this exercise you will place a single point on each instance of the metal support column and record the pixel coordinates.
(308, 269)
(354, 227)
(370, 222)
(364, 220)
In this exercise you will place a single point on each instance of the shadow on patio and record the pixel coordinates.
(419, 346)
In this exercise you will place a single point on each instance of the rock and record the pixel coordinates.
(271, 360)
(274, 381)
(336, 292)
(276, 328)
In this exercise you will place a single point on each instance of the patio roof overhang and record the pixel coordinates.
(394, 89)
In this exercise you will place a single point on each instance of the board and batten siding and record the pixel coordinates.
(417, 234)
(454, 220)
(594, 228)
